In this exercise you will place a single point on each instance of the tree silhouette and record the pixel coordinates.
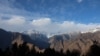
(49, 52)
(14, 49)
(1, 52)
(32, 52)
(73, 53)
(68, 53)
(7, 52)
(94, 50)
(52, 52)
(23, 49)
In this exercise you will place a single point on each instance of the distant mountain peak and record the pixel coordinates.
(29, 32)
(92, 30)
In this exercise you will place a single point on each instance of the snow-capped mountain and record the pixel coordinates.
(48, 35)
(95, 30)
(58, 42)
(39, 38)
(34, 34)
(92, 30)
(29, 32)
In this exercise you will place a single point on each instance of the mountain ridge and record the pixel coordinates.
(79, 41)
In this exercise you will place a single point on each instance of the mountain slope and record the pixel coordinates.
(81, 42)
(39, 39)
(56, 41)
(7, 38)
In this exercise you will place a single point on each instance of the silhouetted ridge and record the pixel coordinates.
(5, 38)
(8, 38)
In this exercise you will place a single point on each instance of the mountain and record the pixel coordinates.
(80, 41)
(8, 38)
(40, 39)
(56, 41)
(92, 30)
(5, 38)
(75, 41)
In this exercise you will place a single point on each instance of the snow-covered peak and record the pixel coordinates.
(48, 34)
(92, 30)
(29, 32)
(95, 30)
(32, 31)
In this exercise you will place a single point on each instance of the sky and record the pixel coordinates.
(51, 16)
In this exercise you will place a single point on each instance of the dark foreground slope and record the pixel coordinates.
(23, 50)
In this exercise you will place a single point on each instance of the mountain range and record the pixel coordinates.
(75, 41)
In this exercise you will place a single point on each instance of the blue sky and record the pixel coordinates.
(55, 12)
(83, 11)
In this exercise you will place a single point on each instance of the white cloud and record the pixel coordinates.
(16, 20)
(79, 1)
(48, 25)
(18, 23)
(15, 23)
(41, 22)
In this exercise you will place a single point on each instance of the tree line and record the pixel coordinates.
(23, 50)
